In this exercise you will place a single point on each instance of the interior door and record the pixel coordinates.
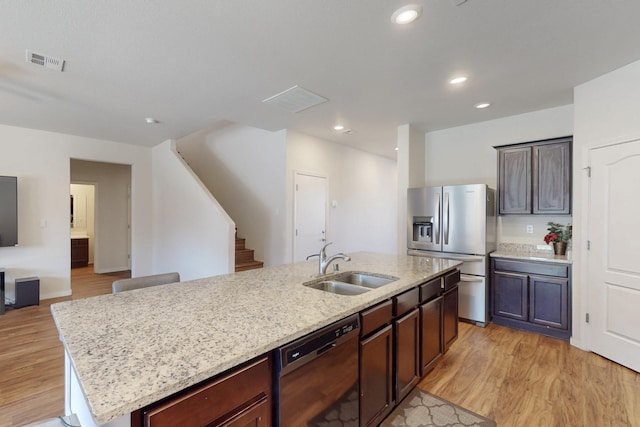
(310, 215)
(613, 267)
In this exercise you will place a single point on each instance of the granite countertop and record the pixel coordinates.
(529, 252)
(134, 348)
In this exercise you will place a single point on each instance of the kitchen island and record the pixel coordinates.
(131, 349)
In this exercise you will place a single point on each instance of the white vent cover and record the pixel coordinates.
(295, 99)
(45, 61)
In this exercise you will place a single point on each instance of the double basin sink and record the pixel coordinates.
(351, 282)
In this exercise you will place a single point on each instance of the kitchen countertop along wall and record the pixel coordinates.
(134, 348)
(529, 252)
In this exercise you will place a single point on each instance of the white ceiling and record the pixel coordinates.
(193, 63)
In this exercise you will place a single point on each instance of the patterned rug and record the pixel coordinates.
(422, 409)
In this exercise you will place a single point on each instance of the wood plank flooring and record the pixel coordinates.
(522, 379)
(515, 378)
(31, 355)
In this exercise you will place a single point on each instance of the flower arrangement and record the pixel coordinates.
(558, 233)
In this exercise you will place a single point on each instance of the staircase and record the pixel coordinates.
(244, 257)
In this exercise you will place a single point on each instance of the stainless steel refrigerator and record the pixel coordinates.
(457, 222)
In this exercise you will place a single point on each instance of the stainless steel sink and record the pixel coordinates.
(367, 280)
(337, 287)
(351, 282)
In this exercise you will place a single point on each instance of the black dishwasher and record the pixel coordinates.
(317, 378)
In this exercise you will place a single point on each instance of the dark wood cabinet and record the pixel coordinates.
(450, 317)
(407, 352)
(376, 377)
(430, 334)
(514, 180)
(535, 177)
(511, 296)
(79, 252)
(240, 398)
(551, 178)
(533, 296)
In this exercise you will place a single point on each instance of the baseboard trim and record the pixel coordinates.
(111, 270)
(51, 295)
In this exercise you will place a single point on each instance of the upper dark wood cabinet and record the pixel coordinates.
(535, 177)
(514, 182)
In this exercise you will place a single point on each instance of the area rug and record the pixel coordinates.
(422, 409)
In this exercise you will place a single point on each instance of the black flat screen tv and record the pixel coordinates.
(8, 211)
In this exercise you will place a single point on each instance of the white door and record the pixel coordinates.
(310, 215)
(614, 256)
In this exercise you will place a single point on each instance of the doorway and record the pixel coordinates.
(111, 207)
(310, 215)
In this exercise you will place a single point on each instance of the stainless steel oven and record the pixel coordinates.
(317, 378)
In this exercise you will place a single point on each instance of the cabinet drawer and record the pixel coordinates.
(546, 269)
(430, 290)
(406, 301)
(376, 317)
(227, 396)
(451, 279)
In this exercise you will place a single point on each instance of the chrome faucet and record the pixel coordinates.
(324, 261)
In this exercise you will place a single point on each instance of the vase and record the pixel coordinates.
(559, 248)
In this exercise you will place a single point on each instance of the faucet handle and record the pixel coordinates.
(312, 255)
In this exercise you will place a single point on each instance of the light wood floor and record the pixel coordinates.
(515, 378)
(31, 355)
(523, 379)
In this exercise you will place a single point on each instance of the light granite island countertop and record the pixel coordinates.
(134, 348)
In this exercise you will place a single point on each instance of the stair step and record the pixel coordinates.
(240, 244)
(250, 265)
(244, 255)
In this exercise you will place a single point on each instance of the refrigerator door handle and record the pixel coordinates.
(445, 215)
(436, 220)
(471, 279)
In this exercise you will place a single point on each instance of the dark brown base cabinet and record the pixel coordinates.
(79, 252)
(376, 377)
(407, 353)
(431, 334)
(401, 339)
(532, 296)
(241, 398)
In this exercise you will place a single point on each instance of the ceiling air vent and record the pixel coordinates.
(45, 60)
(295, 99)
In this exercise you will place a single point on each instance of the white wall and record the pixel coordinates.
(465, 154)
(112, 182)
(41, 161)
(244, 168)
(363, 185)
(192, 234)
(606, 112)
(411, 162)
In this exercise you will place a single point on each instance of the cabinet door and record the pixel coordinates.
(407, 332)
(514, 180)
(549, 301)
(510, 295)
(552, 178)
(449, 318)
(430, 334)
(376, 377)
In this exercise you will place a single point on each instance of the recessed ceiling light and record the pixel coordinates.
(338, 127)
(151, 120)
(406, 14)
(396, 148)
(482, 105)
(458, 80)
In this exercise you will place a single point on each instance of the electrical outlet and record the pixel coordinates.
(530, 229)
